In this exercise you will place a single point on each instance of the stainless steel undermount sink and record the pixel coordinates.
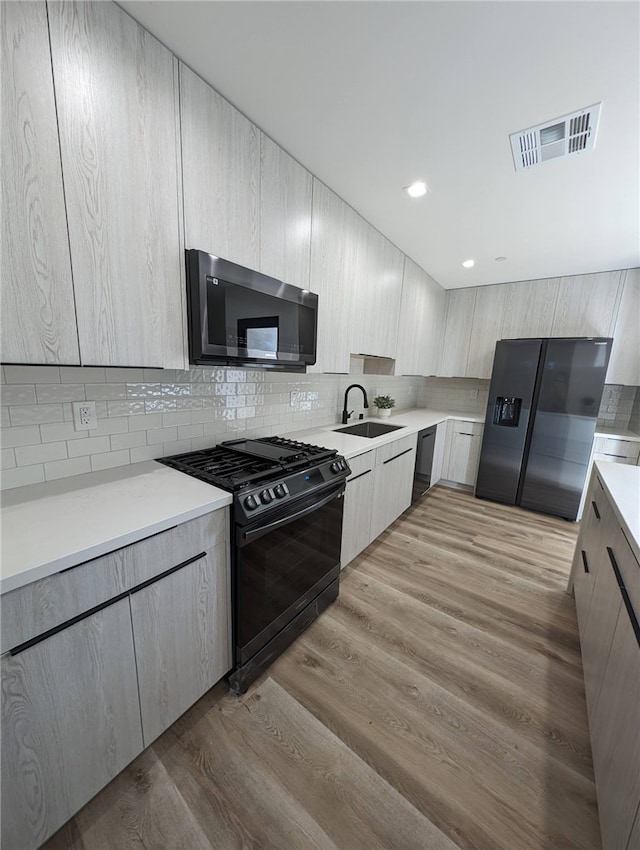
(368, 429)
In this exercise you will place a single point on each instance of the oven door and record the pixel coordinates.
(282, 564)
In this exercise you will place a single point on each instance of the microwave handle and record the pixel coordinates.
(247, 537)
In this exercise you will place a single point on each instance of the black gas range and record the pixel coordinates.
(286, 535)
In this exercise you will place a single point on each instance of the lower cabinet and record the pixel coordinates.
(462, 451)
(70, 723)
(81, 698)
(393, 482)
(181, 633)
(605, 578)
(358, 497)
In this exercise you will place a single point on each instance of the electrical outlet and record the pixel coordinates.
(84, 415)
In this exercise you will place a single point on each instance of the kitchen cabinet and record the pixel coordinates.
(71, 722)
(358, 498)
(377, 295)
(333, 264)
(221, 174)
(488, 317)
(181, 629)
(438, 453)
(634, 836)
(285, 215)
(624, 365)
(530, 308)
(457, 334)
(38, 311)
(612, 450)
(462, 451)
(421, 322)
(605, 578)
(586, 305)
(116, 98)
(393, 482)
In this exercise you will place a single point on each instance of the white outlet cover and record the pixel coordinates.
(85, 417)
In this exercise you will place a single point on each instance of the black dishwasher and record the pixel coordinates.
(424, 462)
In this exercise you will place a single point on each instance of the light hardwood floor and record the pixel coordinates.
(438, 704)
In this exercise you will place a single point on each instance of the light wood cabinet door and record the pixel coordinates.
(488, 317)
(38, 311)
(462, 451)
(378, 292)
(116, 93)
(333, 265)
(181, 629)
(457, 334)
(70, 723)
(586, 304)
(624, 365)
(285, 215)
(221, 174)
(634, 836)
(615, 740)
(421, 323)
(393, 483)
(358, 497)
(530, 308)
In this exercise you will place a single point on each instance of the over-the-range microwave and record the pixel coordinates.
(244, 318)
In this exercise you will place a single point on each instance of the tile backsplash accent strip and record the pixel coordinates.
(149, 413)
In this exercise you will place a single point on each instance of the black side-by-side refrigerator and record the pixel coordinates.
(541, 416)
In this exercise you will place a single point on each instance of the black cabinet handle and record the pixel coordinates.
(625, 595)
(395, 457)
(595, 510)
(585, 563)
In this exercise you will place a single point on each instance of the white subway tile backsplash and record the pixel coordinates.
(110, 459)
(35, 414)
(110, 426)
(7, 459)
(186, 432)
(159, 375)
(5, 421)
(105, 392)
(125, 408)
(119, 376)
(32, 374)
(146, 453)
(176, 447)
(65, 468)
(27, 435)
(92, 446)
(179, 418)
(145, 422)
(47, 393)
(82, 374)
(162, 435)
(190, 403)
(28, 455)
(62, 431)
(130, 440)
(21, 476)
(159, 405)
(18, 394)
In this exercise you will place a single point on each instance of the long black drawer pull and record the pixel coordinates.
(625, 596)
(595, 510)
(395, 457)
(585, 563)
(355, 477)
(106, 604)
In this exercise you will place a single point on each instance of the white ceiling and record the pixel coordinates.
(371, 96)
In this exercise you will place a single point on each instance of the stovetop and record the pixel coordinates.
(265, 474)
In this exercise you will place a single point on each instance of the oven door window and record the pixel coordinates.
(275, 571)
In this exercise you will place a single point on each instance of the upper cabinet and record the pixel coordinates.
(333, 264)
(221, 174)
(586, 305)
(285, 215)
(38, 312)
(530, 308)
(455, 347)
(488, 318)
(624, 366)
(378, 291)
(116, 94)
(421, 322)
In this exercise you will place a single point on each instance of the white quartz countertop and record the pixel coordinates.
(348, 445)
(49, 527)
(622, 484)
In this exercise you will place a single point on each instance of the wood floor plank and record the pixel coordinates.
(439, 703)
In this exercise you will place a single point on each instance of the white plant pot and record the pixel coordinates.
(384, 412)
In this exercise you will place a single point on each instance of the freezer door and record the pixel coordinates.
(572, 381)
(508, 412)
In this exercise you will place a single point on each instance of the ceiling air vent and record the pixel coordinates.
(570, 134)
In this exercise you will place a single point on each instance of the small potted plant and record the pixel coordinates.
(384, 403)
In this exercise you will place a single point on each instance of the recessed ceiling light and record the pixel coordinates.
(417, 189)
(500, 259)
(468, 264)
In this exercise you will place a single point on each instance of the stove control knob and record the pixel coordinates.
(251, 503)
(280, 490)
(335, 466)
(266, 497)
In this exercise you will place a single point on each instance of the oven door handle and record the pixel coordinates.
(246, 537)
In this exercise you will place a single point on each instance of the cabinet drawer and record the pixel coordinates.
(361, 463)
(466, 427)
(613, 449)
(397, 447)
(42, 605)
